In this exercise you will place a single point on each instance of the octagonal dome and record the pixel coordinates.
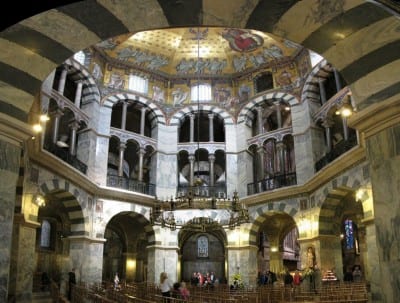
(204, 50)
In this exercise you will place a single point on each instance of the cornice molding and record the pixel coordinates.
(376, 117)
(14, 131)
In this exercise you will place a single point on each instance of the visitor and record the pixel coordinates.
(184, 292)
(71, 282)
(357, 274)
(296, 278)
(348, 276)
(165, 286)
(194, 280)
(116, 281)
(288, 279)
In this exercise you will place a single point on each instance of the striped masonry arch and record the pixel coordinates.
(55, 35)
(71, 198)
(110, 100)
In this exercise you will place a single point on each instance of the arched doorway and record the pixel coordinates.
(125, 248)
(52, 237)
(202, 249)
(278, 243)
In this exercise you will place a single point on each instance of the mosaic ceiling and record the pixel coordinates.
(204, 50)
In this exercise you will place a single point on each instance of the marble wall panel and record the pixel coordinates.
(9, 167)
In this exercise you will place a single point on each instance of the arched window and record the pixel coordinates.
(202, 247)
(349, 233)
(201, 93)
(80, 57)
(138, 84)
(45, 234)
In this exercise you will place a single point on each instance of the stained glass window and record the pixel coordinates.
(349, 234)
(202, 247)
(45, 234)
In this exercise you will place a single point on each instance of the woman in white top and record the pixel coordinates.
(165, 286)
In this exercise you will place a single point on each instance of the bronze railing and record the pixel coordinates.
(131, 185)
(271, 183)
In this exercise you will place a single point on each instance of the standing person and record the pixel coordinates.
(296, 278)
(357, 274)
(288, 279)
(71, 282)
(184, 291)
(296, 281)
(194, 281)
(165, 286)
(116, 281)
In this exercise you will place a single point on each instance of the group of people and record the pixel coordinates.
(175, 290)
(199, 279)
(354, 275)
(267, 277)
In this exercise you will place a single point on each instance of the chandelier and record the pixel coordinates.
(197, 195)
(163, 212)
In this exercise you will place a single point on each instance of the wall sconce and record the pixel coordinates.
(39, 200)
(360, 195)
(346, 110)
(274, 249)
(38, 127)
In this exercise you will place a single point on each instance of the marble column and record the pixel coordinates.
(123, 117)
(322, 91)
(122, 147)
(86, 256)
(383, 153)
(56, 124)
(22, 267)
(162, 259)
(191, 139)
(337, 80)
(191, 171)
(93, 142)
(372, 272)
(142, 120)
(345, 129)
(278, 115)
(9, 168)
(74, 126)
(211, 127)
(211, 160)
(329, 256)
(61, 83)
(243, 260)
(78, 94)
(327, 124)
(261, 166)
(142, 152)
(260, 127)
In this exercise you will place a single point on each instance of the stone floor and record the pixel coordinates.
(41, 297)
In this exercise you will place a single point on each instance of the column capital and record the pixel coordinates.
(327, 122)
(211, 116)
(211, 157)
(122, 145)
(74, 125)
(142, 150)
